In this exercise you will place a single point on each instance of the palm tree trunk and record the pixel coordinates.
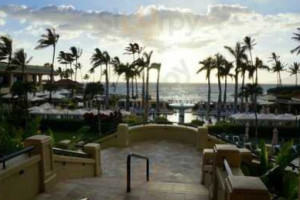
(236, 89)
(208, 98)
(157, 92)
(136, 88)
(242, 96)
(296, 80)
(106, 87)
(127, 93)
(225, 91)
(75, 69)
(143, 89)
(147, 97)
(132, 88)
(52, 66)
(99, 119)
(220, 98)
(280, 80)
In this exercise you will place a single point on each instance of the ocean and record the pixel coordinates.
(185, 92)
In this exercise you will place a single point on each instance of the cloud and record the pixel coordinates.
(149, 24)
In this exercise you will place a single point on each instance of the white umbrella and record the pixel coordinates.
(245, 117)
(286, 117)
(46, 106)
(275, 137)
(36, 99)
(266, 117)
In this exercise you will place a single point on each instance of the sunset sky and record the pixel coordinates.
(179, 32)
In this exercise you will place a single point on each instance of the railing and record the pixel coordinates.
(65, 152)
(15, 154)
(129, 168)
(227, 168)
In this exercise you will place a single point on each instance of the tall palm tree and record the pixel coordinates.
(6, 50)
(60, 72)
(139, 50)
(239, 55)
(131, 49)
(106, 62)
(20, 59)
(278, 67)
(47, 40)
(225, 73)
(62, 58)
(157, 66)
(294, 70)
(218, 63)
(97, 61)
(126, 70)
(243, 69)
(76, 52)
(207, 65)
(297, 38)
(147, 57)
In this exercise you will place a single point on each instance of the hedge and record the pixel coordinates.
(263, 132)
(62, 124)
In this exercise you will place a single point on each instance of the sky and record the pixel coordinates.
(180, 33)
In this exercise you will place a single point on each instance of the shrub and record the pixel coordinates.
(132, 119)
(62, 124)
(161, 120)
(197, 122)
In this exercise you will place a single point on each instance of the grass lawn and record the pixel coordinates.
(84, 132)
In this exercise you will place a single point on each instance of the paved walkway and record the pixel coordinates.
(175, 173)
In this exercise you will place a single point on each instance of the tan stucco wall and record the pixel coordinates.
(163, 132)
(21, 180)
(71, 167)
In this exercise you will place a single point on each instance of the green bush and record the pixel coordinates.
(62, 124)
(161, 120)
(263, 132)
(132, 119)
(197, 122)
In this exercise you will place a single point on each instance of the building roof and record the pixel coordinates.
(31, 69)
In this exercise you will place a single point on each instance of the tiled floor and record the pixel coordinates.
(174, 174)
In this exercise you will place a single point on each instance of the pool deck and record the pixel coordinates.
(175, 173)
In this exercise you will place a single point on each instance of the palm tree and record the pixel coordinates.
(218, 63)
(20, 59)
(106, 62)
(62, 58)
(60, 72)
(294, 69)
(278, 67)
(97, 61)
(139, 50)
(157, 66)
(6, 50)
(91, 90)
(225, 73)
(207, 65)
(86, 77)
(47, 40)
(76, 52)
(297, 38)
(131, 50)
(147, 57)
(126, 70)
(243, 69)
(239, 55)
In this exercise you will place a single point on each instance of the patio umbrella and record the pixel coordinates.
(286, 117)
(275, 137)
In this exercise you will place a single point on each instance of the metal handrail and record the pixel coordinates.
(129, 168)
(15, 154)
(227, 167)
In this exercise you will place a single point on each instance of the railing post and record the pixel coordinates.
(128, 172)
(43, 147)
(147, 169)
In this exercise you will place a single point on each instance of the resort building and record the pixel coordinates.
(34, 73)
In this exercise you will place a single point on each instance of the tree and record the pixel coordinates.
(91, 90)
(294, 69)
(147, 57)
(60, 72)
(6, 50)
(207, 65)
(62, 58)
(218, 63)
(157, 66)
(76, 52)
(239, 55)
(47, 40)
(278, 67)
(243, 69)
(20, 60)
(225, 73)
(126, 70)
(297, 38)
(98, 59)
(131, 50)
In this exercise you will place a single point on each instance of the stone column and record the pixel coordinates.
(122, 135)
(94, 150)
(43, 147)
(202, 138)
